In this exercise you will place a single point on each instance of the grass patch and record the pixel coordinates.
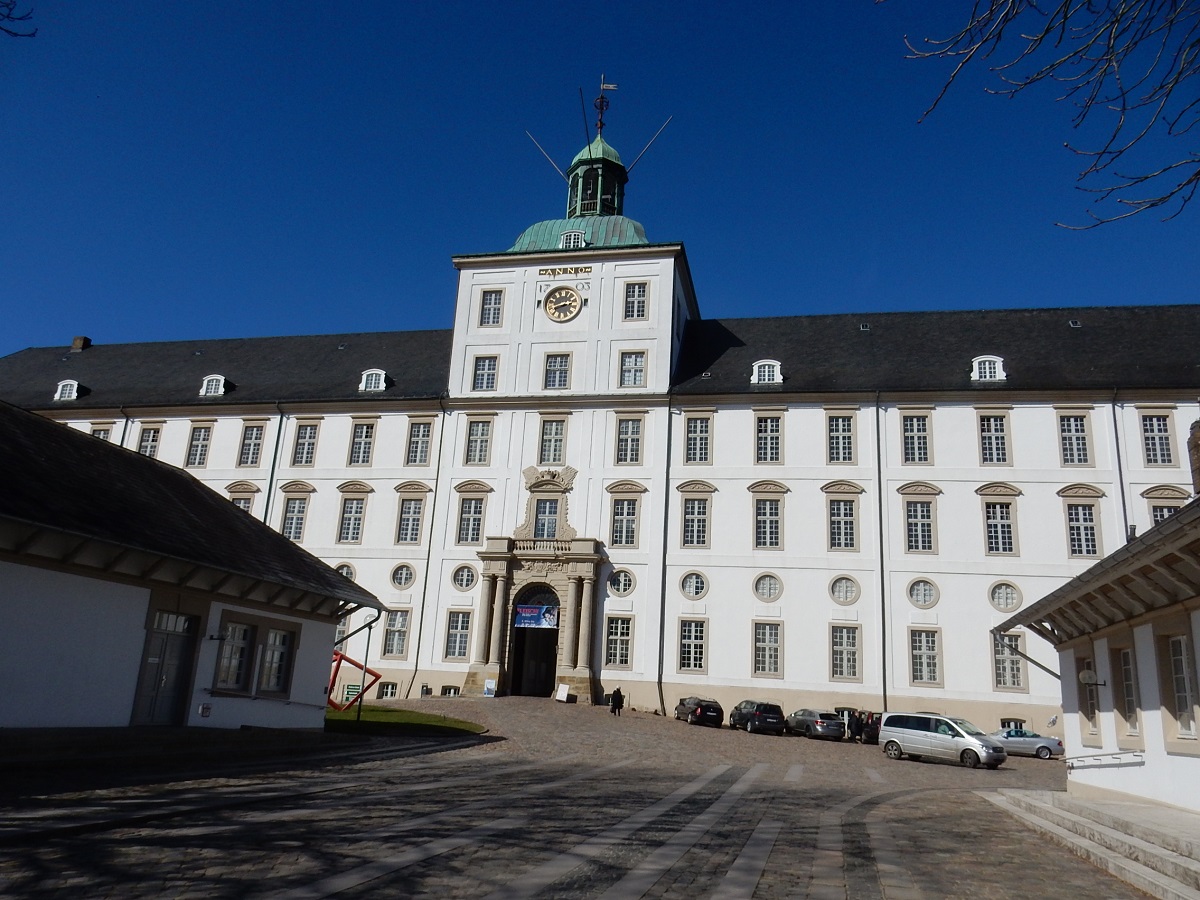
(382, 719)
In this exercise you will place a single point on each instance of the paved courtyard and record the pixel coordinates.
(556, 801)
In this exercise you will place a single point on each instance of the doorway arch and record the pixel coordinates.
(534, 653)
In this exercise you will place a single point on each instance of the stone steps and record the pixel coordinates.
(1156, 849)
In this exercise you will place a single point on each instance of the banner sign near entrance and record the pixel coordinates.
(536, 617)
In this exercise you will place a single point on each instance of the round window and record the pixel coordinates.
(620, 582)
(346, 571)
(844, 590)
(922, 593)
(693, 585)
(402, 576)
(464, 578)
(767, 587)
(1005, 597)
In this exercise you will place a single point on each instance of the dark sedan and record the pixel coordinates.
(699, 711)
(814, 724)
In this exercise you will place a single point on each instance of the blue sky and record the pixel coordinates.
(194, 170)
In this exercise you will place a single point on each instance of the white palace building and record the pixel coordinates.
(584, 482)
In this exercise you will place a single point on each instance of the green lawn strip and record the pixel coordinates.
(385, 720)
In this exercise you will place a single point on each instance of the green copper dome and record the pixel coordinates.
(598, 231)
(598, 149)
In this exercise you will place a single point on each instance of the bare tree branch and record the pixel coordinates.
(1133, 63)
(9, 19)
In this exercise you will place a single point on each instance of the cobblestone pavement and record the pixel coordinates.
(573, 802)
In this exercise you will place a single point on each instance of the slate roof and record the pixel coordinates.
(258, 370)
(1112, 347)
(60, 481)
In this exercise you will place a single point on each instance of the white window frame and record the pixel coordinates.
(693, 646)
(845, 652)
(485, 373)
(637, 301)
(916, 436)
(696, 512)
(304, 447)
(199, 442)
(352, 518)
(458, 636)
(766, 371)
(842, 527)
(840, 436)
(469, 527)
(767, 658)
(768, 438)
(67, 390)
(212, 386)
(571, 240)
(1075, 438)
(1158, 437)
(1000, 526)
(491, 308)
(628, 451)
(556, 372)
(993, 429)
(988, 369)
(362, 443)
(632, 369)
(250, 448)
(925, 657)
(148, 440)
(1008, 663)
(768, 523)
(478, 451)
(397, 624)
(920, 524)
(618, 641)
(552, 441)
(1083, 528)
(625, 521)
(1126, 694)
(420, 441)
(697, 441)
(372, 381)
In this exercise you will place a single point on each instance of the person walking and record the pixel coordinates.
(856, 727)
(616, 701)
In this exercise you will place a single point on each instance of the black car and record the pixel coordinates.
(756, 716)
(699, 711)
(815, 724)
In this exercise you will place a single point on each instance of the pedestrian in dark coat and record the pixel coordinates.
(616, 701)
(856, 727)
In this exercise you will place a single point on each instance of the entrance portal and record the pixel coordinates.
(162, 689)
(535, 645)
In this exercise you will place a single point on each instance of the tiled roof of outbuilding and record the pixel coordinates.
(1112, 347)
(258, 370)
(61, 482)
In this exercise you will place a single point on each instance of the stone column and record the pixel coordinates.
(499, 614)
(486, 602)
(571, 624)
(585, 625)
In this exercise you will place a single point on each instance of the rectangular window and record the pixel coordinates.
(1183, 692)
(618, 633)
(276, 661)
(351, 524)
(293, 517)
(844, 659)
(767, 643)
(1162, 513)
(418, 443)
(1073, 439)
(252, 440)
(558, 371)
(243, 503)
(305, 450)
(479, 442)
(766, 523)
(490, 305)
(919, 520)
(841, 439)
(926, 661)
(554, 433)
(629, 441)
(233, 663)
(993, 440)
(470, 520)
(916, 439)
(624, 523)
(1007, 664)
(1089, 706)
(633, 369)
(408, 531)
(484, 378)
(198, 445)
(148, 442)
(695, 522)
(1156, 439)
(998, 518)
(458, 628)
(545, 522)
(698, 429)
(1081, 529)
(769, 444)
(635, 300)
(395, 633)
(692, 645)
(1128, 694)
(388, 690)
(361, 444)
(103, 434)
(841, 525)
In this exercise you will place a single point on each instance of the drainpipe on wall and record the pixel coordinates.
(274, 462)
(124, 428)
(662, 587)
(883, 611)
(437, 480)
(1120, 469)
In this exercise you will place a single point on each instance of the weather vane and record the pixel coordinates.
(601, 104)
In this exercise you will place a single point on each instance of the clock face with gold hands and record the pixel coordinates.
(562, 304)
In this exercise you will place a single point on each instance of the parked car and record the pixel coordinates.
(1019, 742)
(943, 737)
(757, 715)
(813, 724)
(699, 711)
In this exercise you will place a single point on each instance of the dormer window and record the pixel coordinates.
(572, 240)
(766, 371)
(67, 390)
(212, 386)
(987, 368)
(372, 380)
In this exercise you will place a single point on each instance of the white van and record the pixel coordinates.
(943, 737)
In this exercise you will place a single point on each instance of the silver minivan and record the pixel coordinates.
(942, 737)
